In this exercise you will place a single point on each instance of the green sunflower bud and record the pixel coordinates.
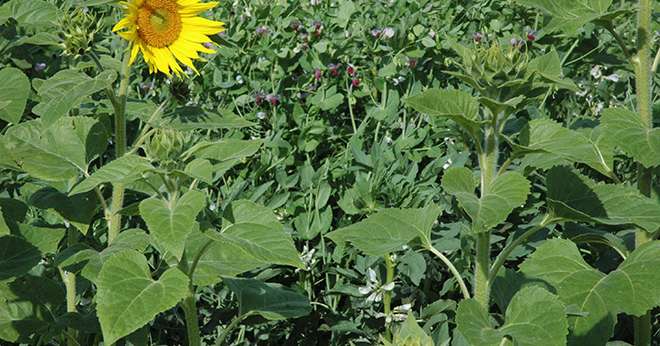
(78, 31)
(165, 145)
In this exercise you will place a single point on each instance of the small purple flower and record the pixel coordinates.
(259, 98)
(40, 66)
(412, 63)
(318, 74)
(516, 43)
(388, 33)
(274, 100)
(262, 30)
(355, 82)
(531, 36)
(334, 69)
(317, 28)
(477, 37)
(351, 71)
(208, 45)
(376, 33)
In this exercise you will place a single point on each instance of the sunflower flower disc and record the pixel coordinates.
(168, 33)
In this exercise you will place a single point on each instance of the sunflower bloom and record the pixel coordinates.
(167, 32)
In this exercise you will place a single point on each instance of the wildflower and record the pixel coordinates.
(612, 78)
(350, 70)
(40, 66)
(334, 69)
(388, 33)
(259, 98)
(477, 37)
(295, 25)
(317, 27)
(596, 72)
(376, 33)
(531, 36)
(262, 30)
(355, 82)
(261, 115)
(398, 313)
(167, 32)
(274, 100)
(374, 289)
(318, 74)
(412, 63)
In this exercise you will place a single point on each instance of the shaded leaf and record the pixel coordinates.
(271, 301)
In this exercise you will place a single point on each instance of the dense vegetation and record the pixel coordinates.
(348, 172)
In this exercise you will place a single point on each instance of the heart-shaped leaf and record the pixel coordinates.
(508, 191)
(128, 298)
(124, 170)
(456, 105)
(170, 221)
(14, 93)
(632, 135)
(534, 317)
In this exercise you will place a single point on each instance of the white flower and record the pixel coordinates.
(596, 72)
(398, 313)
(261, 115)
(613, 77)
(447, 164)
(388, 32)
(374, 289)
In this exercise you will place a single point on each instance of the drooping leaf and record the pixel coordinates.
(79, 209)
(57, 152)
(534, 317)
(508, 191)
(128, 297)
(14, 93)
(573, 196)
(271, 301)
(170, 221)
(456, 105)
(551, 144)
(389, 230)
(632, 135)
(634, 287)
(239, 248)
(66, 90)
(17, 256)
(124, 170)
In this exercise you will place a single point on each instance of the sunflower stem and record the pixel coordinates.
(643, 85)
(114, 219)
(192, 324)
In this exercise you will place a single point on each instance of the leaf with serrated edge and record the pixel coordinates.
(456, 105)
(388, 230)
(128, 298)
(534, 317)
(14, 93)
(558, 263)
(170, 221)
(124, 170)
(632, 135)
(507, 192)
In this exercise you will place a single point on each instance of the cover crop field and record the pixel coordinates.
(330, 172)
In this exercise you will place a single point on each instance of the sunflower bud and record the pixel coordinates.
(165, 145)
(78, 30)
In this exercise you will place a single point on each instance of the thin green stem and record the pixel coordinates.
(114, 221)
(452, 270)
(619, 40)
(504, 254)
(350, 107)
(192, 322)
(69, 280)
(225, 333)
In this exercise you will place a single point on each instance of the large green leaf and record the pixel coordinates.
(128, 298)
(269, 300)
(17, 256)
(54, 153)
(534, 317)
(80, 209)
(239, 248)
(14, 93)
(456, 105)
(570, 15)
(67, 89)
(573, 196)
(634, 287)
(37, 14)
(558, 262)
(389, 230)
(632, 135)
(508, 191)
(170, 221)
(246, 211)
(552, 144)
(124, 170)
